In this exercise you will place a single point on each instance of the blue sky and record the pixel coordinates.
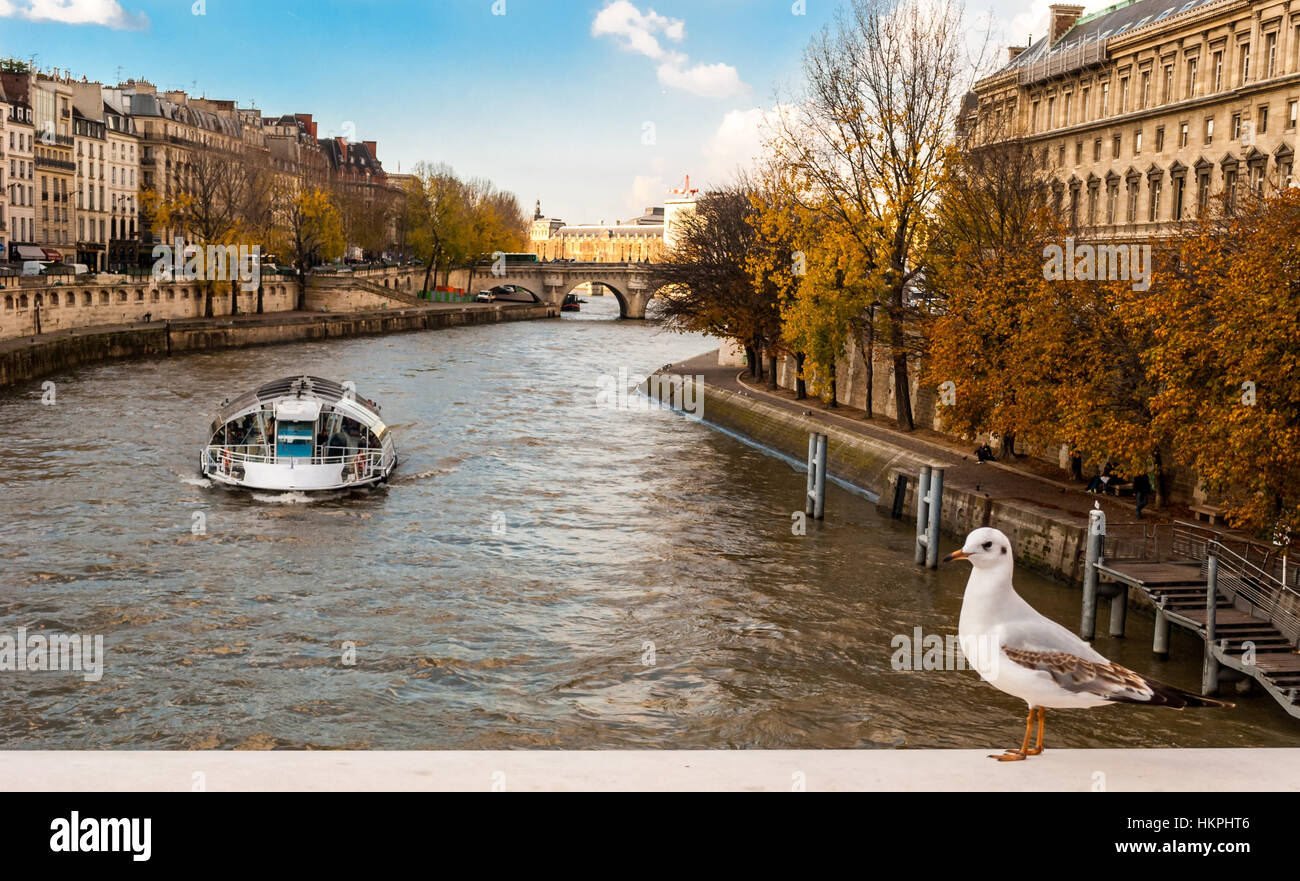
(592, 106)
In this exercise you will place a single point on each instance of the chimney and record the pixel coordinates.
(1014, 51)
(1063, 18)
(373, 147)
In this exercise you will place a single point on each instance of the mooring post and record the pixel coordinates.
(1118, 610)
(808, 504)
(922, 518)
(1210, 669)
(1096, 535)
(819, 490)
(935, 509)
(1160, 645)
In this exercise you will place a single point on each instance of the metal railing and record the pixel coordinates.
(358, 463)
(1263, 593)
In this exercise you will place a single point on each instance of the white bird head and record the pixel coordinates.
(985, 548)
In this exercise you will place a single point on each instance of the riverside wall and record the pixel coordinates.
(21, 360)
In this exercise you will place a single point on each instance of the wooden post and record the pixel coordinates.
(935, 510)
(922, 490)
(1160, 645)
(1096, 535)
(1210, 669)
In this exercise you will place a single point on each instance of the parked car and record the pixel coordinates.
(485, 297)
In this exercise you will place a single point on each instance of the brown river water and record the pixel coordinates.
(541, 572)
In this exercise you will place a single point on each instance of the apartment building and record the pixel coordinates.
(91, 207)
(123, 182)
(55, 164)
(1149, 110)
(4, 183)
(19, 177)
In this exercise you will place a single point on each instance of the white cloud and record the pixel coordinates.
(738, 141)
(108, 13)
(639, 32)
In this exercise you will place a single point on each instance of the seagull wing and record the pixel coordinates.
(1105, 679)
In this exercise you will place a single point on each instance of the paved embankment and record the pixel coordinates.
(27, 358)
(1045, 518)
(819, 770)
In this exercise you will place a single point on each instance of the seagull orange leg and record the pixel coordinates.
(1018, 755)
(1042, 717)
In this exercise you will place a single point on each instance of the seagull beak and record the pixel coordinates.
(956, 555)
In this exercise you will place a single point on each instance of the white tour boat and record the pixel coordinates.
(299, 434)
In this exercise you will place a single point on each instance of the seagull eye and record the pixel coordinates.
(987, 545)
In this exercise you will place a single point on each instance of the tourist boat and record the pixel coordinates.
(299, 434)
(571, 303)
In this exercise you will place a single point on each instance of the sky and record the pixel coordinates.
(595, 107)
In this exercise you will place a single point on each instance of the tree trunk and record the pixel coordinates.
(834, 402)
(302, 291)
(800, 387)
(1162, 479)
(749, 358)
(428, 273)
(259, 298)
(234, 296)
(1007, 445)
(902, 392)
(207, 299)
(775, 375)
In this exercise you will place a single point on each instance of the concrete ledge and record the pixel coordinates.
(1113, 770)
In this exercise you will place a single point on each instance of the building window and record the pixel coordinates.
(1261, 127)
(1191, 78)
(1202, 192)
(1218, 71)
(1153, 205)
(1051, 112)
(1137, 143)
(1078, 152)
(1209, 129)
(1096, 150)
(1123, 95)
(1132, 201)
(1182, 135)
(1230, 190)
(1146, 90)
(1270, 54)
(1105, 100)
(1236, 126)
(1115, 147)
(1290, 115)
(1178, 197)
(1066, 119)
(1160, 139)
(1083, 105)
(1169, 84)
(1243, 71)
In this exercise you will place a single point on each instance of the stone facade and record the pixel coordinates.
(1149, 110)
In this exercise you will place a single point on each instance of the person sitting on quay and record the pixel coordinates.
(1101, 482)
(984, 453)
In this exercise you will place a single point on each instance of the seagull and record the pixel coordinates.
(1016, 649)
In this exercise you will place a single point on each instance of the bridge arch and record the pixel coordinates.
(624, 305)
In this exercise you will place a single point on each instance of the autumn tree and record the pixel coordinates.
(870, 137)
(312, 231)
(708, 288)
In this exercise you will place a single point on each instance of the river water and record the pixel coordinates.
(541, 572)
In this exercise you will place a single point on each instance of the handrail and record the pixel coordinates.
(218, 453)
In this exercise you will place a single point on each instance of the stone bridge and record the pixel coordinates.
(630, 283)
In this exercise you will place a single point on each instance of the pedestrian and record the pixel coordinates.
(1141, 492)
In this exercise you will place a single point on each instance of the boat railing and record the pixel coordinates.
(363, 461)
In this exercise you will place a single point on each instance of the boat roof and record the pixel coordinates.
(315, 388)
